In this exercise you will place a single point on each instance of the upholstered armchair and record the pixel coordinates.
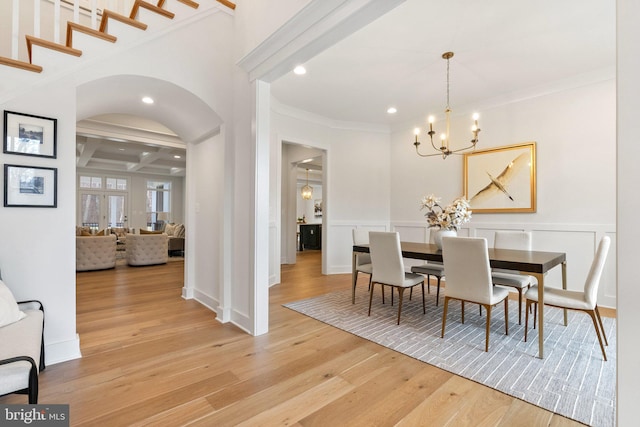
(176, 237)
(95, 252)
(147, 249)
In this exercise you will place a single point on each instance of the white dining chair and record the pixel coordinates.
(585, 300)
(520, 240)
(388, 267)
(431, 268)
(466, 260)
(363, 261)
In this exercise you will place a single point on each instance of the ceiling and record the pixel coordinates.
(504, 50)
(129, 144)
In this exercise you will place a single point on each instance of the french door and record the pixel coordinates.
(102, 209)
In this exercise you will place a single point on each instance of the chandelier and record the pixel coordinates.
(444, 150)
(307, 191)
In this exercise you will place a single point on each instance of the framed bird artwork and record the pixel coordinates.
(502, 179)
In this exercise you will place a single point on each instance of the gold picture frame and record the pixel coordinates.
(502, 179)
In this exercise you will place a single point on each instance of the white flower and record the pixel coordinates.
(451, 217)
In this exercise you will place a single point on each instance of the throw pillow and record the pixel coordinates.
(100, 233)
(179, 231)
(85, 233)
(9, 310)
(169, 229)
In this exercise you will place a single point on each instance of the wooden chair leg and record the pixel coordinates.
(462, 312)
(424, 307)
(428, 283)
(382, 287)
(526, 319)
(400, 293)
(410, 293)
(519, 306)
(370, 277)
(506, 316)
(444, 315)
(601, 326)
(438, 292)
(486, 344)
(592, 314)
(371, 296)
(535, 314)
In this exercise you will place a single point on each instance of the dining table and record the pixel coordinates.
(534, 263)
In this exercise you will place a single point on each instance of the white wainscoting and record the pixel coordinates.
(578, 241)
(341, 243)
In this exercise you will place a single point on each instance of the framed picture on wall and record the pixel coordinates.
(28, 135)
(501, 180)
(30, 186)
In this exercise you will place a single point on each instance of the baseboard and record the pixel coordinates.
(62, 351)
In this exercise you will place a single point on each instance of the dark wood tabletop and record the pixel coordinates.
(529, 261)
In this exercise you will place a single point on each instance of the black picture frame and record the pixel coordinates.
(29, 135)
(30, 186)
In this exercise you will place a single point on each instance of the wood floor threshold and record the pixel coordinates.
(20, 64)
(31, 41)
(108, 14)
(145, 5)
(72, 26)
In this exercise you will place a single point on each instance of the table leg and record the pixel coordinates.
(540, 278)
(354, 277)
(564, 286)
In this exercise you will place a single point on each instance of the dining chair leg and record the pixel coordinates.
(444, 315)
(410, 293)
(400, 294)
(535, 314)
(592, 314)
(526, 319)
(370, 277)
(506, 316)
(424, 307)
(462, 312)
(382, 288)
(428, 283)
(486, 343)
(519, 306)
(438, 292)
(601, 326)
(371, 296)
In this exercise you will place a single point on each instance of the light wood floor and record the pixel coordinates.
(152, 358)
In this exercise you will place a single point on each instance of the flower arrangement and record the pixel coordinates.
(450, 217)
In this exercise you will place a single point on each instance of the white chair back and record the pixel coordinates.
(520, 240)
(595, 272)
(386, 257)
(466, 261)
(361, 237)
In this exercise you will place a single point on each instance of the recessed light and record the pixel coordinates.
(147, 100)
(392, 110)
(121, 149)
(177, 157)
(300, 70)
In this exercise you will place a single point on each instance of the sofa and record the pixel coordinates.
(22, 349)
(176, 234)
(147, 249)
(95, 252)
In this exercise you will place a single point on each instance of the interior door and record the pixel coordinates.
(116, 210)
(91, 209)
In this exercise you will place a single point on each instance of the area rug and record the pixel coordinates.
(572, 380)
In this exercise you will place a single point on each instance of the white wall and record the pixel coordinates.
(628, 203)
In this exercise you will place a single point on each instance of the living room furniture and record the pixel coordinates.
(147, 249)
(585, 300)
(22, 351)
(388, 267)
(536, 263)
(466, 260)
(311, 235)
(95, 252)
(176, 233)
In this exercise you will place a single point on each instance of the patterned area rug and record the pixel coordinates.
(572, 380)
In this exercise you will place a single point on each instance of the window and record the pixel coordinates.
(94, 182)
(158, 203)
(117, 184)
